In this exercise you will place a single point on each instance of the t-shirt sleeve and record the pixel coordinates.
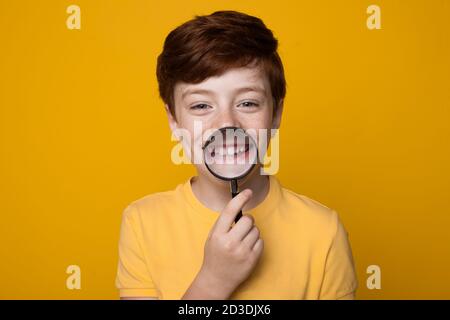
(133, 277)
(340, 281)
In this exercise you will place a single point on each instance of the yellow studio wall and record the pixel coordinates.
(83, 133)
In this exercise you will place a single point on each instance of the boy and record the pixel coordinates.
(223, 70)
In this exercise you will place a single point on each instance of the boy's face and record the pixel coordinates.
(240, 97)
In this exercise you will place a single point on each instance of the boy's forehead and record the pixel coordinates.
(252, 77)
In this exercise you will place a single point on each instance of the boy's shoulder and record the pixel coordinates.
(307, 207)
(156, 201)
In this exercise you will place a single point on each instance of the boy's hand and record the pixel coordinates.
(231, 253)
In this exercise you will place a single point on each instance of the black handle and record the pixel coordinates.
(234, 193)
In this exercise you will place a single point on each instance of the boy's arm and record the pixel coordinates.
(138, 298)
(340, 281)
(205, 288)
(350, 296)
(132, 279)
(201, 288)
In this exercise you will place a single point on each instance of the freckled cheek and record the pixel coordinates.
(194, 142)
(258, 121)
(196, 129)
(260, 129)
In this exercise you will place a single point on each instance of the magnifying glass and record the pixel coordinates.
(230, 154)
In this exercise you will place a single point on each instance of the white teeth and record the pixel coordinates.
(230, 151)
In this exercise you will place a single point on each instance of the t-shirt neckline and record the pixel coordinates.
(261, 211)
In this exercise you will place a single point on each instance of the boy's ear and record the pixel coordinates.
(276, 121)
(172, 121)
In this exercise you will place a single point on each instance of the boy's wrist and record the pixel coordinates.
(212, 287)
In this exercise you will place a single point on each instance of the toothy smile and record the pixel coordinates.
(228, 150)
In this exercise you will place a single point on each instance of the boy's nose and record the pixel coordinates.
(227, 119)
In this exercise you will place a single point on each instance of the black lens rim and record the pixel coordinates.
(209, 140)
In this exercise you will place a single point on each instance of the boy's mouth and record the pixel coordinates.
(228, 150)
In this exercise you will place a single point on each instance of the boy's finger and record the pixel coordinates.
(231, 210)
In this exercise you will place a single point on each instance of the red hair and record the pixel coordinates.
(210, 45)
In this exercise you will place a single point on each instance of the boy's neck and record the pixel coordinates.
(216, 196)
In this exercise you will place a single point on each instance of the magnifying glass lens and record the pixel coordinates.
(230, 153)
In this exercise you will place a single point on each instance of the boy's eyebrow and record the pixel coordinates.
(210, 92)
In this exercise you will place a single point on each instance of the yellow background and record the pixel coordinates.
(83, 133)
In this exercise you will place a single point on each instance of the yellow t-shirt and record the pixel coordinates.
(306, 254)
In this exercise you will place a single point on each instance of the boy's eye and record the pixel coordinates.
(249, 104)
(203, 106)
(200, 106)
